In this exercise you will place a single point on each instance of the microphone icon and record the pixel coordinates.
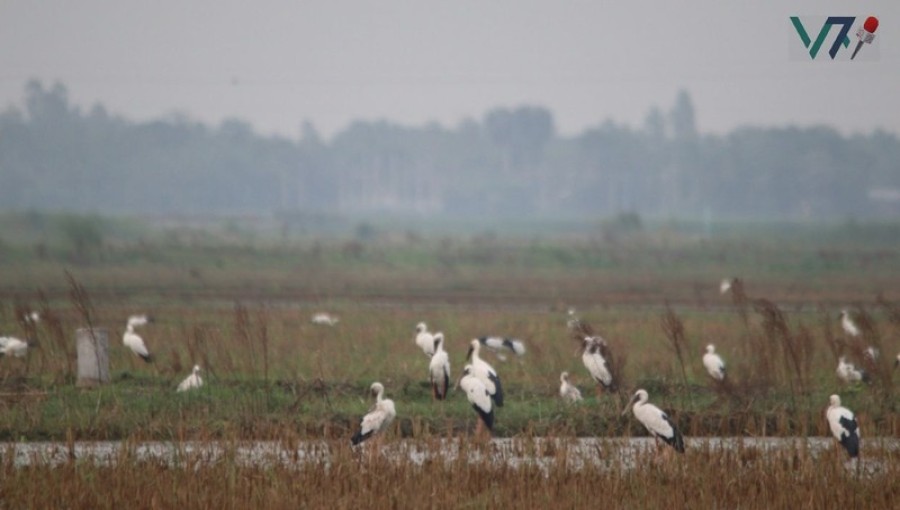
(865, 34)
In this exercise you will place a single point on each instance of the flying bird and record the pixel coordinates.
(479, 396)
(499, 344)
(424, 339)
(192, 381)
(378, 418)
(133, 341)
(843, 425)
(439, 368)
(713, 363)
(569, 392)
(485, 372)
(655, 421)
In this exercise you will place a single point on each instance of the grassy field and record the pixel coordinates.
(241, 309)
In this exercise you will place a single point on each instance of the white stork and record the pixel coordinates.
(424, 339)
(848, 325)
(484, 371)
(713, 363)
(573, 322)
(133, 341)
(498, 344)
(479, 396)
(843, 425)
(849, 373)
(12, 346)
(192, 381)
(439, 368)
(569, 392)
(378, 418)
(897, 362)
(595, 363)
(324, 319)
(655, 421)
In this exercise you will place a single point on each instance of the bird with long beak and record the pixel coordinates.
(485, 372)
(657, 423)
(478, 395)
(439, 369)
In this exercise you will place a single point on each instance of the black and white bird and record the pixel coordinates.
(485, 372)
(655, 421)
(424, 339)
(478, 395)
(568, 391)
(192, 381)
(848, 373)
(133, 341)
(12, 346)
(439, 368)
(378, 418)
(499, 344)
(713, 363)
(843, 425)
(592, 355)
(897, 362)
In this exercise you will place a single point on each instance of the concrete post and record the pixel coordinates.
(93, 357)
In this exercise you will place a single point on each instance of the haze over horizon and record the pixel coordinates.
(279, 64)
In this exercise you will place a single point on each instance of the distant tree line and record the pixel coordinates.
(511, 163)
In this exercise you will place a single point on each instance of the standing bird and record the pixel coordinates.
(498, 344)
(849, 373)
(843, 425)
(439, 368)
(713, 363)
(134, 342)
(725, 285)
(897, 362)
(848, 325)
(424, 339)
(484, 371)
(12, 346)
(478, 396)
(655, 421)
(592, 349)
(569, 392)
(192, 381)
(378, 418)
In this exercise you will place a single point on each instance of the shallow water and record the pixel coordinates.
(544, 453)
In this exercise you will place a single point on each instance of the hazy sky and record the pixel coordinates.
(415, 61)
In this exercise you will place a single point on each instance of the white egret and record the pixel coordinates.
(192, 381)
(484, 371)
(133, 341)
(848, 373)
(378, 418)
(569, 392)
(439, 368)
(655, 421)
(325, 319)
(713, 363)
(848, 325)
(12, 346)
(843, 425)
